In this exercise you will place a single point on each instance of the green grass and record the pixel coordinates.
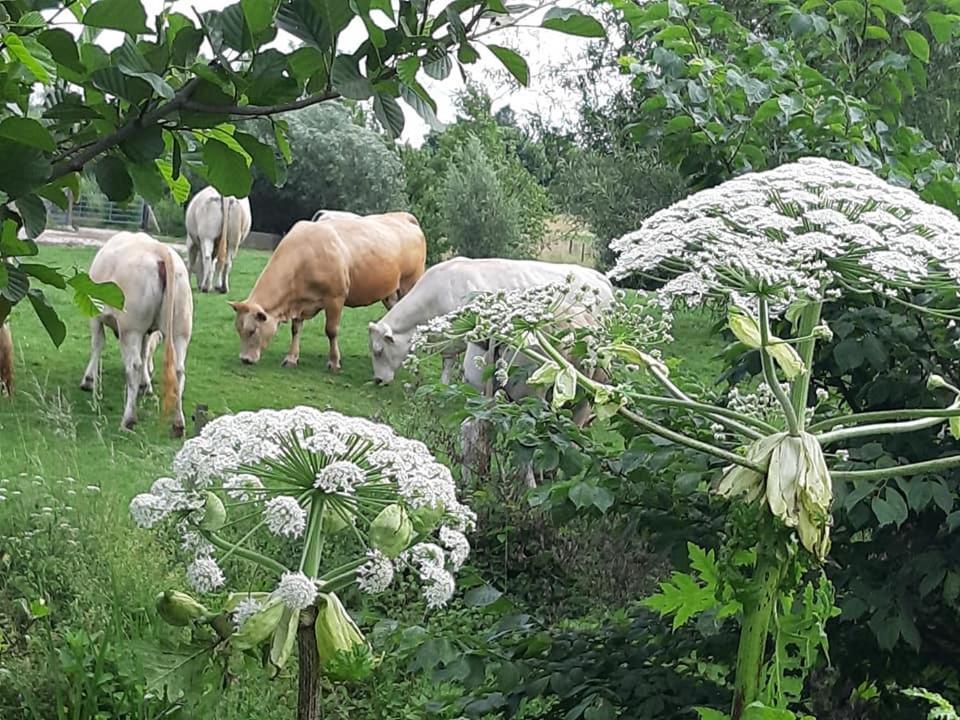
(48, 396)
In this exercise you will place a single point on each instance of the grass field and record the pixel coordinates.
(67, 474)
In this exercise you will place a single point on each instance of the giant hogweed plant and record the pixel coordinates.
(764, 246)
(316, 503)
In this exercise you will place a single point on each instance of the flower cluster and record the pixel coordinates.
(301, 474)
(801, 230)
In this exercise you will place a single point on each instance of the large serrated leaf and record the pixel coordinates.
(34, 214)
(226, 169)
(28, 57)
(27, 131)
(262, 154)
(389, 114)
(513, 62)
(124, 15)
(348, 80)
(572, 22)
(48, 316)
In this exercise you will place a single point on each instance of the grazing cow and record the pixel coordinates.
(6, 360)
(327, 265)
(157, 299)
(446, 287)
(216, 225)
(332, 215)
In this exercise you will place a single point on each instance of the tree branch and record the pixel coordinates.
(260, 110)
(110, 141)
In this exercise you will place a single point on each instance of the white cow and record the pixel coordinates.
(157, 300)
(216, 225)
(446, 287)
(332, 215)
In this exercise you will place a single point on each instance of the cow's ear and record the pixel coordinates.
(261, 316)
(371, 325)
(388, 334)
(237, 306)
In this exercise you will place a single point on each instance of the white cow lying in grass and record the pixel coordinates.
(216, 225)
(157, 299)
(447, 287)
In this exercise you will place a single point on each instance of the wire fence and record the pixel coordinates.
(101, 213)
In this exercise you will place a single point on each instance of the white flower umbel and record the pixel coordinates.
(245, 609)
(800, 230)
(376, 574)
(340, 477)
(284, 516)
(296, 590)
(318, 479)
(204, 575)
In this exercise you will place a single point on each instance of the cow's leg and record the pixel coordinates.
(207, 262)
(293, 355)
(193, 260)
(180, 343)
(131, 350)
(332, 314)
(96, 347)
(146, 386)
(449, 367)
(223, 286)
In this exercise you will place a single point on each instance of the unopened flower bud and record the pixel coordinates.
(258, 627)
(936, 382)
(214, 513)
(823, 332)
(391, 531)
(338, 636)
(178, 609)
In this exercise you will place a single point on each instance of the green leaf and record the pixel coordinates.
(875, 32)
(515, 64)
(704, 713)
(90, 296)
(144, 145)
(898, 506)
(467, 54)
(389, 114)
(918, 45)
(407, 69)
(179, 187)
(63, 48)
(572, 22)
(48, 316)
(942, 496)
(34, 214)
(940, 25)
(482, 596)
(895, 6)
(348, 80)
(27, 131)
(16, 286)
(416, 97)
(262, 154)
(848, 354)
(45, 274)
(259, 13)
(13, 246)
(113, 178)
(437, 64)
(18, 48)
(678, 124)
(226, 169)
(125, 15)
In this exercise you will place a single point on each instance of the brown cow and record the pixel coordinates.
(6, 360)
(327, 265)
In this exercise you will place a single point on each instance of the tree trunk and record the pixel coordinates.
(477, 448)
(308, 697)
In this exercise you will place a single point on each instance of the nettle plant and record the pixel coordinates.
(272, 487)
(765, 247)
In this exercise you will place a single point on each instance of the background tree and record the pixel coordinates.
(480, 218)
(141, 113)
(339, 165)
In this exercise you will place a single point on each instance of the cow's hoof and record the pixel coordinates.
(176, 431)
(222, 290)
(204, 290)
(86, 384)
(332, 368)
(146, 389)
(290, 362)
(128, 425)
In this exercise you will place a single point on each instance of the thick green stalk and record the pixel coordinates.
(758, 608)
(930, 466)
(313, 541)
(245, 553)
(770, 371)
(880, 415)
(809, 319)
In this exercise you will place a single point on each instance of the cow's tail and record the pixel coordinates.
(6, 359)
(171, 385)
(224, 225)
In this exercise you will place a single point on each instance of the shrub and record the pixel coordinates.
(480, 219)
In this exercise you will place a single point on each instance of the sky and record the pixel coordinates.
(549, 54)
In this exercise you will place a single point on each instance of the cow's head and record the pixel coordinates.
(256, 329)
(387, 351)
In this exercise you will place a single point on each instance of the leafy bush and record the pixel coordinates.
(338, 165)
(480, 219)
